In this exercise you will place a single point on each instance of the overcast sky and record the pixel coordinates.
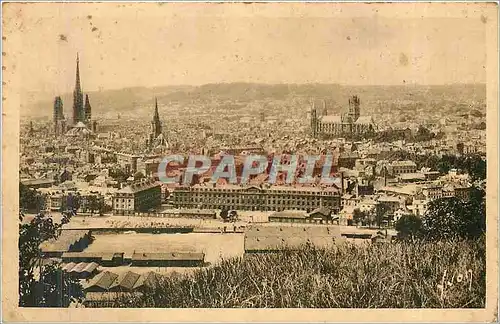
(154, 45)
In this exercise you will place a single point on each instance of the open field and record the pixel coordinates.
(215, 246)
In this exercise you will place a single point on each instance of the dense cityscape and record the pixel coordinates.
(96, 170)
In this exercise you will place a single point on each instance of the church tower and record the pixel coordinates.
(58, 114)
(88, 110)
(78, 110)
(314, 120)
(156, 123)
(354, 110)
(156, 141)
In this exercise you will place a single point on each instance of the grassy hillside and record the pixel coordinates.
(399, 275)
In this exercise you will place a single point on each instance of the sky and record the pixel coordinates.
(122, 45)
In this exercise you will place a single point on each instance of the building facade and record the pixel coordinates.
(275, 198)
(349, 124)
(138, 197)
(402, 167)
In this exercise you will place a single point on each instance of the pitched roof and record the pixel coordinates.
(64, 241)
(79, 267)
(90, 267)
(125, 280)
(364, 120)
(149, 279)
(67, 267)
(321, 210)
(337, 119)
(103, 280)
(139, 186)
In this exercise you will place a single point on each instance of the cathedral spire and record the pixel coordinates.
(77, 83)
(156, 123)
(156, 115)
(78, 110)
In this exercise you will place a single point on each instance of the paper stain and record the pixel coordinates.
(403, 59)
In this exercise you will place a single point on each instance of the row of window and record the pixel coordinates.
(241, 194)
(257, 207)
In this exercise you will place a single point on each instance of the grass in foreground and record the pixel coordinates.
(399, 275)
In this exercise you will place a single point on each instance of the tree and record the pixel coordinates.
(233, 216)
(380, 213)
(224, 214)
(357, 216)
(119, 175)
(30, 200)
(73, 203)
(456, 218)
(409, 226)
(138, 176)
(93, 204)
(42, 285)
(423, 134)
(101, 208)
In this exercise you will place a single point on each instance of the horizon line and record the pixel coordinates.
(406, 84)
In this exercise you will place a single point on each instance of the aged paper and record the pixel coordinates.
(120, 115)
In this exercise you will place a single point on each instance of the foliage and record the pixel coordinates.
(358, 216)
(224, 213)
(454, 217)
(73, 202)
(42, 285)
(380, 213)
(229, 215)
(409, 226)
(119, 175)
(473, 164)
(30, 200)
(398, 275)
(138, 176)
(422, 135)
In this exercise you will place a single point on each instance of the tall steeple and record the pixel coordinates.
(156, 123)
(78, 111)
(77, 85)
(156, 116)
(156, 140)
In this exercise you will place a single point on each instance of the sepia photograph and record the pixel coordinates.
(293, 156)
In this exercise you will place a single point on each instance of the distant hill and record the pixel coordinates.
(132, 100)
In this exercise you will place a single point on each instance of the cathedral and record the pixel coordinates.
(156, 141)
(348, 124)
(82, 111)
